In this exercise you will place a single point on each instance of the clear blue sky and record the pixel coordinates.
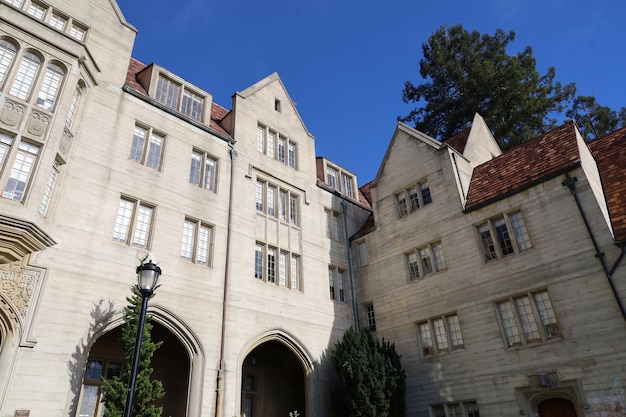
(345, 62)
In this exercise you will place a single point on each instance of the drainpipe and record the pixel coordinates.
(570, 182)
(355, 317)
(220, 367)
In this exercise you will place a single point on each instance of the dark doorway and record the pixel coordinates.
(556, 407)
(272, 382)
(170, 363)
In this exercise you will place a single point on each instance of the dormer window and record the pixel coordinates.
(340, 181)
(190, 104)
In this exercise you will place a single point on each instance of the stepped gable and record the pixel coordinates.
(610, 154)
(217, 112)
(532, 162)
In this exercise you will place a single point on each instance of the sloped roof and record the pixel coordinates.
(458, 141)
(217, 112)
(610, 154)
(534, 161)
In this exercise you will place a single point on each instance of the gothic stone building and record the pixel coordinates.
(498, 276)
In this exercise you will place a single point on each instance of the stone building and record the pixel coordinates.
(497, 276)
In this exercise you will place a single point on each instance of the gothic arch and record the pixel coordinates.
(286, 338)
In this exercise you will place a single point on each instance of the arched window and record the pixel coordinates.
(7, 53)
(25, 76)
(50, 86)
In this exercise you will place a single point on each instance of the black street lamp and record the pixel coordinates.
(147, 277)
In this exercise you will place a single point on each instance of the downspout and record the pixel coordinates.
(355, 317)
(570, 182)
(220, 367)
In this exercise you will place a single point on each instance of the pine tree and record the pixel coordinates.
(371, 379)
(147, 390)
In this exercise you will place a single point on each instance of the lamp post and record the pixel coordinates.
(147, 277)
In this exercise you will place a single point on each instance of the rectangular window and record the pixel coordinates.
(370, 317)
(346, 185)
(361, 250)
(47, 192)
(57, 21)
(425, 260)
(334, 224)
(16, 3)
(192, 105)
(495, 236)
(25, 76)
(50, 87)
(275, 146)
(528, 319)
(133, 225)
(21, 171)
(36, 10)
(412, 198)
(440, 335)
(196, 243)
(167, 92)
(276, 266)
(147, 147)
(276, 202)
(336, 284)
(455, 409)
(77, 32)
(202, 170)
(331, 178)
(71, 114)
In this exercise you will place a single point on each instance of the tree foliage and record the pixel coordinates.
(371, 379)
(467, 72)
(147, 389)
(593, 119)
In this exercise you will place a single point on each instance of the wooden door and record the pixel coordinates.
(556, 407)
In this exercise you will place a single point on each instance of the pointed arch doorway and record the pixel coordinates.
(170, 363)
(273, 382)
(556, 407)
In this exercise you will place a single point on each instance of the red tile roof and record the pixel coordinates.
(217, 112)
(547, 155)
(610, 154)
(458, 141)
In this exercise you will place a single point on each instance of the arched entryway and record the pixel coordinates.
(273, 382)
(556, 407)
(170, 363)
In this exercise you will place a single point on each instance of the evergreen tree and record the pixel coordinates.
(147, 390)
(468, 73)
(371, 379)
(593, 119)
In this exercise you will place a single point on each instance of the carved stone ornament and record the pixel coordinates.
(66, 141)
(37, 123)
(17, 285)
(11, 113)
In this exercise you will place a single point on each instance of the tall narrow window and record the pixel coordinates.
(336, 284)
(20, 172)
(293, 209)
(260, 186)
(147, 147)
(271, 265)
(260, 139)
(401, 204)
(47, 192)
(192, 105)
(346, 185)
(295, 272)
(281, 150)
(258, 261)
(413, 266)
(167, 92)
(50, 86)
(71, 114)
(331, 177)
(5, 145)
(282, 205)
(361, 249)
(331, 283)
(203, 169)
(371, 318)
(282, 269)
(271, 202)
(269, 150)
(25, 76)
(291, 147)
(196, 242)
(133, 225)
(7, 53)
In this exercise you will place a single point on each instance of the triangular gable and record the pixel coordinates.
(258, 86)
(402, 128)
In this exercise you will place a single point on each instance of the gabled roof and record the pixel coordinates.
(217, 112)
(534, 161)
(610, 154)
